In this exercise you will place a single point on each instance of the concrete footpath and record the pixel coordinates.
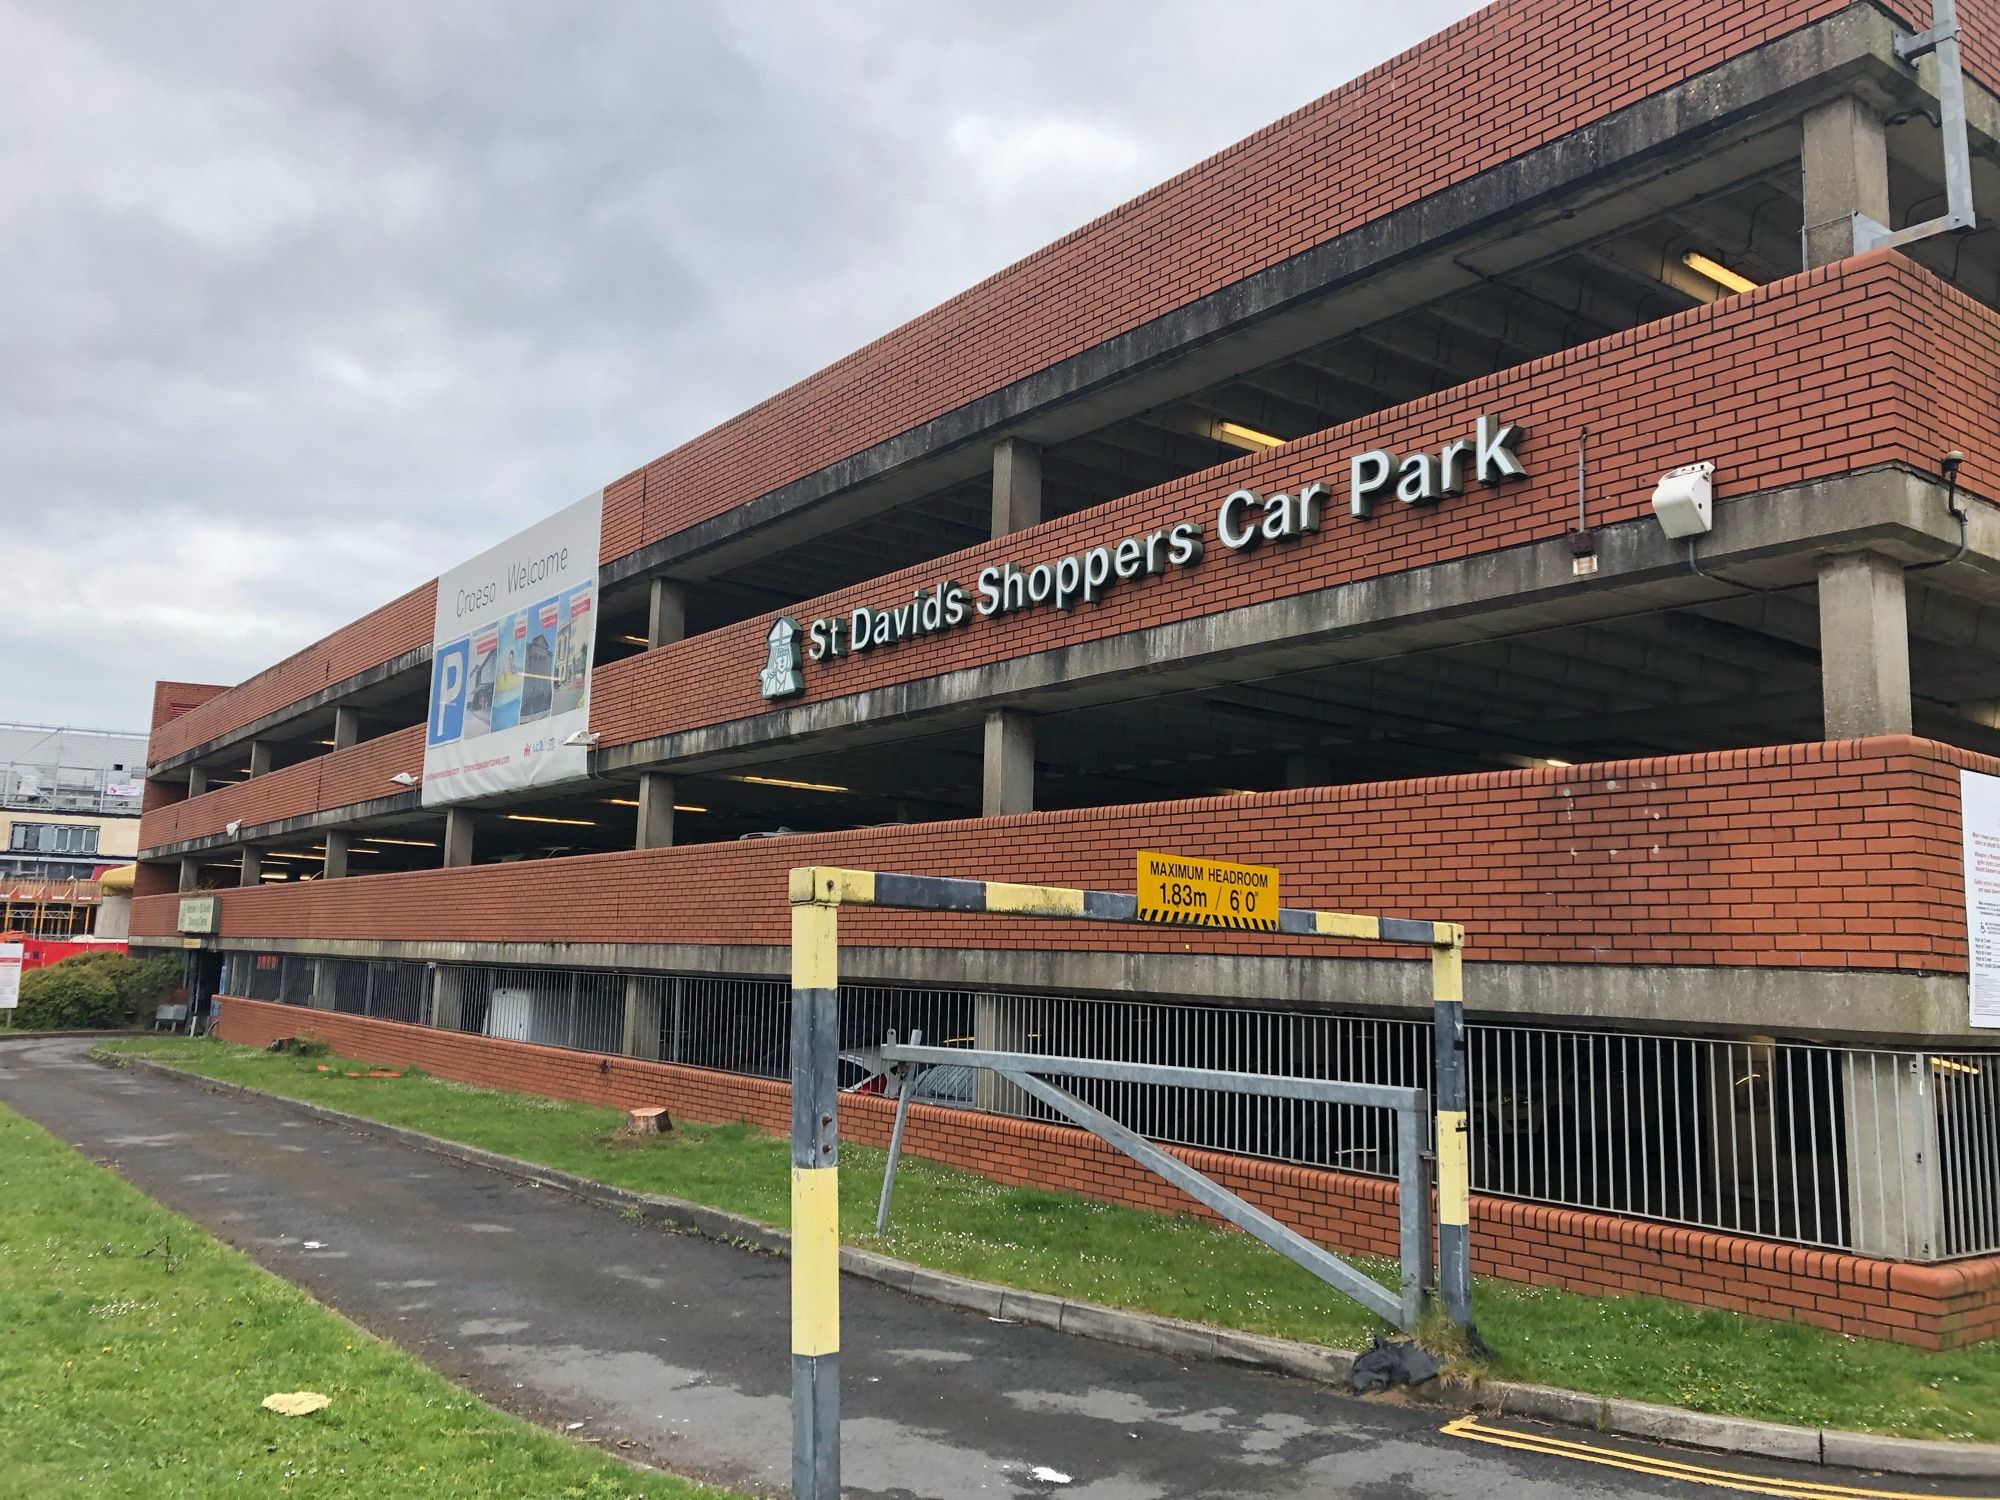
(678, 1346)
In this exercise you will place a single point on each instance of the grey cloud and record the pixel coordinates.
(302, 304)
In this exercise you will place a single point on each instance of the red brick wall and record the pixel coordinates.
(1514, 76)
(1868, 362)
(1839, 855)
(360, 773)
(1494, 86)
(369, 641)
(172, 699)
(1930, 1306)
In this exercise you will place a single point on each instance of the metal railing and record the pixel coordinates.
(1885, 1152)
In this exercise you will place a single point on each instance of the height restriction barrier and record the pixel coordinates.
(818, 892)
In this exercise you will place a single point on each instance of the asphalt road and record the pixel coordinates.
(678, 1346)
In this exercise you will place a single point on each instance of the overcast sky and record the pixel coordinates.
(301, 304)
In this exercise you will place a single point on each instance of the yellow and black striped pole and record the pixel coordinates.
(815, 898)
(1454, 1157)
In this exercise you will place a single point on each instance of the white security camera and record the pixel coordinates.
(1683, 501)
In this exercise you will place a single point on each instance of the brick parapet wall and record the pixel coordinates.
(380, 636)
(1869, 362)
(1517, 75)
(1841, 855)
(340, 778)
(1928, 1306)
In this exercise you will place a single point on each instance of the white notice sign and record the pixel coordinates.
(1979, 800)
(11, 955)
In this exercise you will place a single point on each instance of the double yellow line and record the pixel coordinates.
(1473, 1430)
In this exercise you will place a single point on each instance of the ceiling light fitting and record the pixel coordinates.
(1249, 439)
(1717, 272)
(786, 782)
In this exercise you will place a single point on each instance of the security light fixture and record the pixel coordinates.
(581, 737)
(1682, 501)
(406, 778)
(796, 786)
(233, 827)
(1249, 439)
(1715, 271)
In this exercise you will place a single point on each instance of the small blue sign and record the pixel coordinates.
(448, 672)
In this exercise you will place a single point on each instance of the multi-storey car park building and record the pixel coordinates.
(1299, 512)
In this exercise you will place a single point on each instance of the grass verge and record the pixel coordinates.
(138, 1351)
(955, 1221)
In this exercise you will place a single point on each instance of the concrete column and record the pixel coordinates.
(447, 998)
(197, 780)
(322, 992)
(346, 727)
(1864, 646)
(457, 837)
(1308, 768)
(642, 1015)
(1894, 1194)
(253, 866)
(337, 841)
(1017, 485)
(260, 757)
(1009, 783)
(666, 612)
(1845, 163)
(1000, 1023)
(656, 811)
(190, 874)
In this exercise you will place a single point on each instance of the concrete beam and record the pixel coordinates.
(1008, 781)
(1864, 645)
(1017, 485)
(1844, 157)
(458, 828)
(666, 612)
(1928, 1010)
(656, 811)
(337, 843)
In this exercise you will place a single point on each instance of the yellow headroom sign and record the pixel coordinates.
(1188, 892)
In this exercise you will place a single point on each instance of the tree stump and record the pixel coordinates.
(652, 1120)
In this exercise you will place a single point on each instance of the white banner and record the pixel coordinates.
(511, 651)
(1979, 804)
(11, 955)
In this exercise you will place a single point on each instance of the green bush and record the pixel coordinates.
(94, 991)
